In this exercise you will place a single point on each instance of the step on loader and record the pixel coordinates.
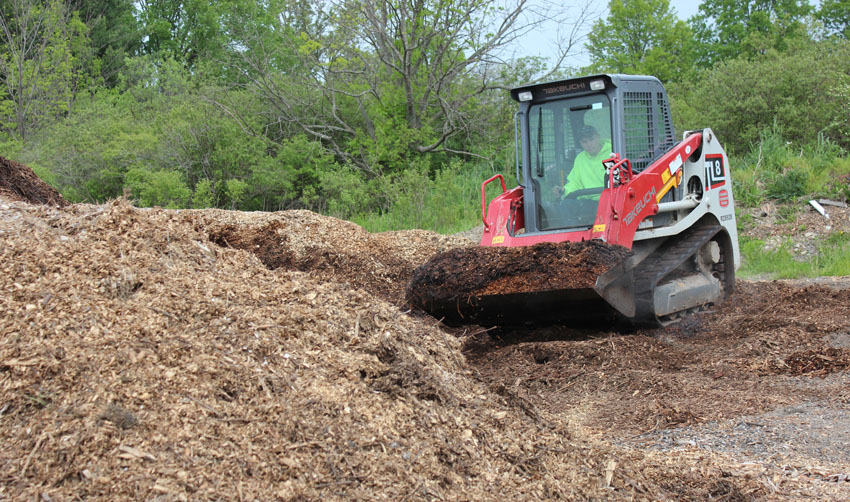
(613, 218)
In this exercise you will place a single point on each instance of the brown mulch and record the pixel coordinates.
(144, 357)
(327, 248)
(19, 182)
(818, 362)
(499, 270)
(452, 283)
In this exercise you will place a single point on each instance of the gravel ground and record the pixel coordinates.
(809, 433)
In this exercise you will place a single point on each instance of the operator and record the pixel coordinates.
(587, 169)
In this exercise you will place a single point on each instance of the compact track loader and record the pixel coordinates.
(613, 217)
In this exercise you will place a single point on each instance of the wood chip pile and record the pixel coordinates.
(19, 182)
(141, 360)
(331, 249)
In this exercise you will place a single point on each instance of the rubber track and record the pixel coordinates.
(663, 261)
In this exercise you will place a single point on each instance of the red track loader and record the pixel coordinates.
(600, 169)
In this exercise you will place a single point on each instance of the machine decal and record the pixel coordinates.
(675, 164)
(498, 239)
(723, 196)
(726, 217)
(599, 228)
(715, 171)
(666, 188)
(669, 182)
(640, 206)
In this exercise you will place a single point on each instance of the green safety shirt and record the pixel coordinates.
(588, 171)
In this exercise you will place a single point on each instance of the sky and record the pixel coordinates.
(684, 8)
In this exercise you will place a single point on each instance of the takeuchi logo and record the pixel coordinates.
(575, 86)
(642, 204)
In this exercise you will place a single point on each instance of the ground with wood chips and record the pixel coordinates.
(209, 355)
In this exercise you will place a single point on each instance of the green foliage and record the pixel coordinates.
(89, 152)
(748, 190)
(727, 29)
(204, 196)
(788, 185)
(114, 34)
(236, 190)
(158, 188)
(185, 31)
(343, 192)
(642, 37)
(777, 169)
(835, 15)
(777, 264)
(389, 85)
(740, 98)
(44, 62)
(450, 201)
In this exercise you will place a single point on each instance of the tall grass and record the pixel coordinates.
(775, 169)
(446, 202)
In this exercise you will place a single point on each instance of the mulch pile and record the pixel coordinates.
(144, 356)
(19, 182)
(329, 248)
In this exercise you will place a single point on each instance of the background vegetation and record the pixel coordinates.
(390, 112)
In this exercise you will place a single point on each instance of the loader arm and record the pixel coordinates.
(628, 200)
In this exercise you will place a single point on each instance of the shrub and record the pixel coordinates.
(788, 185)
(158, 188)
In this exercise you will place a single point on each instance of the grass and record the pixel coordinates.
(777, 170)
(832, 259)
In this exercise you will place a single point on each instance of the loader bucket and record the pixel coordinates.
(569, 283)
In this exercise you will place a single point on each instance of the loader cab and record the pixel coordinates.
(568, 127)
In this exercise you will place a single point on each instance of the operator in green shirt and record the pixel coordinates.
(587, 169)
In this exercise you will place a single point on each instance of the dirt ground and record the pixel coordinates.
(218, 355)
(762, 380)
(798, 225)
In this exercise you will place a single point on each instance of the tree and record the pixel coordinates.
(184, 30)
(728, 28)
(835, 15)
(642, 36)
(381, 83)
(741, 97)
(114, 33)
(40, 62)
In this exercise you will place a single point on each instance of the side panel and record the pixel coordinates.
(718, 189)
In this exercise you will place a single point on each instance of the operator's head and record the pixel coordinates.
(589, 140)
